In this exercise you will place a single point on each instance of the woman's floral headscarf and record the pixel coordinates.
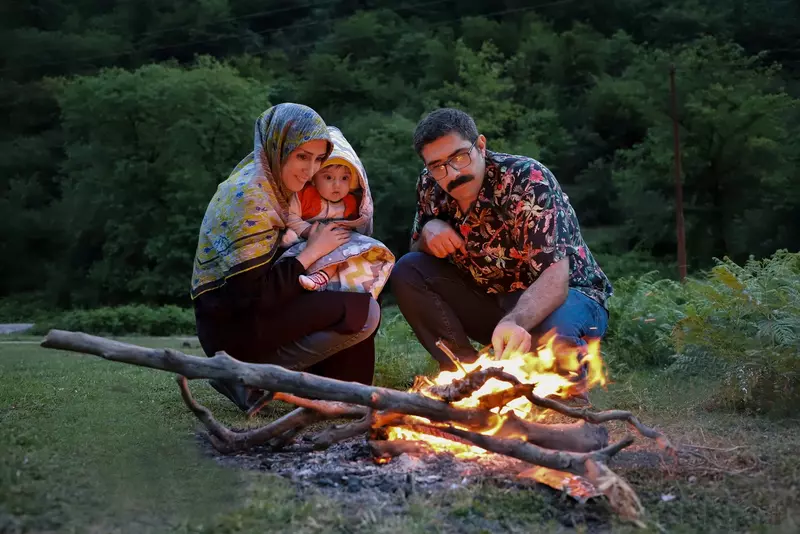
(241, 227)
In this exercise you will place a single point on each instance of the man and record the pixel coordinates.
(496, 250)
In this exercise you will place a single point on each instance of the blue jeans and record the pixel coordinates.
(440, 302)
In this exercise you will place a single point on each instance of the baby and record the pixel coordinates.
(339, 191)
(327, 198)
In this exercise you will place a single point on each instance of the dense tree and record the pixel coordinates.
(121, 117)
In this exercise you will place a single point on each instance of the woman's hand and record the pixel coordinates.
(323, 239)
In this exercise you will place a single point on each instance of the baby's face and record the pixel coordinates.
(333, 182)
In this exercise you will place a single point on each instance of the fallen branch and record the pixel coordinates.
(572, 437)
(334, 398)
(498, 399)
(620, 495)
(336, 433)
(270, 378)
(576, 448)
(331, 409)
(259, 404)
(415, 424)
(226, 440)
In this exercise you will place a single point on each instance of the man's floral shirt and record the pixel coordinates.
(521, 223)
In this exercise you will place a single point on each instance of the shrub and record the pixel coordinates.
(737, 324)
(743, 322)
(124, 320)
(643, 312)
(25, 308)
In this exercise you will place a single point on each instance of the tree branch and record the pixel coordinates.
(334, 434)
(270, 378)
(226, 440)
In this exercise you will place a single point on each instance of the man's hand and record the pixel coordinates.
(510, 337)
(440, 239)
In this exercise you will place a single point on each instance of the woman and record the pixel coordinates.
(248, 302)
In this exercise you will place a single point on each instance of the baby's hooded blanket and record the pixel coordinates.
(364, 263)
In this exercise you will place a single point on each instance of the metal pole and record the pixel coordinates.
(678, 187)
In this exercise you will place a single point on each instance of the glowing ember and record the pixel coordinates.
(554, 369)
(437, 443)
(576, 486)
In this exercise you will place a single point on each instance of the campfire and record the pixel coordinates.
(503, 386)
(512, 407)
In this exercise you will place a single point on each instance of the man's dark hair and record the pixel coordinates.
(441, 122)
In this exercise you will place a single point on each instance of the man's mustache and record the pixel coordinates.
(461, 180)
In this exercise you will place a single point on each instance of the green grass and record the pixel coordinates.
(93, 446)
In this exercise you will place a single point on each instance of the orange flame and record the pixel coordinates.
(554, 368)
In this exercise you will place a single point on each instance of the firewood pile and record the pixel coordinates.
(506, 407)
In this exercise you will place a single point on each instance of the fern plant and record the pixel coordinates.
(643, 313)
(744, 323)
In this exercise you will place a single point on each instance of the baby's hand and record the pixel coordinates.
(290, 237)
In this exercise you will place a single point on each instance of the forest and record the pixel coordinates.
(120, 119)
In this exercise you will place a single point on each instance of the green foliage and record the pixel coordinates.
(642, 314)
(25, 308)
(399, 356)
(745, 320)
(145, 152)
(482, 86)
(633, 263)
(384, 146)
(122, 117)
(738, 153)
(740, 324)
(609, 247)
(124, 320)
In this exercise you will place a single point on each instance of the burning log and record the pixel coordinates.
(331, 409)
(488, 405)
(474, 380)
(573, 437)
(565, 461)
(336, 399)
(463, 388)
(603, 417)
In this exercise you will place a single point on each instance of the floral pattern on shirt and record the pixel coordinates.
(521, 223)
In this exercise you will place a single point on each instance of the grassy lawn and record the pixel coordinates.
(93, 446)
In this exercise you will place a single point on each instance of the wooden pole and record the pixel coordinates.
(678, 187)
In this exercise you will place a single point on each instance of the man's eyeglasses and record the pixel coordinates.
(457, 162)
